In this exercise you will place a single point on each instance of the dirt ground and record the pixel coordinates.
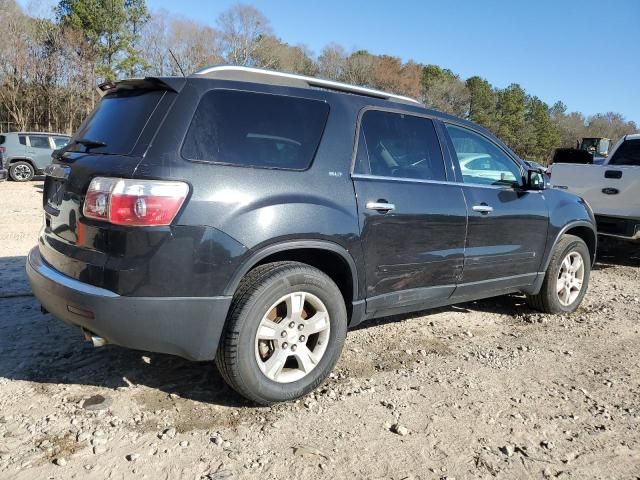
(482, 390)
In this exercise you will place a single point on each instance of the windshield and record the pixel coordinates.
(117, 121)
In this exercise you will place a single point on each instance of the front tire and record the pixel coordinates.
(567, 278)
(284, 332)
(21, 171)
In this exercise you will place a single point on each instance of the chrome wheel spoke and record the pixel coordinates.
(566, 295)
(318, 323)
(274, 365)
(306, 359)
(576, 265)
(268, 330)
(295, 305)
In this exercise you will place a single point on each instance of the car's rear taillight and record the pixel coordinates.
(136, 203)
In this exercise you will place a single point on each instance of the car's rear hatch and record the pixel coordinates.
(111, 142)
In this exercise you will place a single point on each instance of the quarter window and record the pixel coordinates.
(481, 161)
(400, 145)
(256, 130)
(22, 139)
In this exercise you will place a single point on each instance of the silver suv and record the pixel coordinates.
(26, 154)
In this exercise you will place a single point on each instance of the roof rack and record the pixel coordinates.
(231, 72)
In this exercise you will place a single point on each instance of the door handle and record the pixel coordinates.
(484, 209)
(617, 174)
(381, 206)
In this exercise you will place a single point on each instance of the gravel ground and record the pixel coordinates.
(481, 390)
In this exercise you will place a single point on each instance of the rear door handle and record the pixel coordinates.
(482, 209)
(380, 206)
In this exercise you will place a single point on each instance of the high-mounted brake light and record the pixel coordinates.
(136, 203)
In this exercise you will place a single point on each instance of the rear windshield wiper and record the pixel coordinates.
(87, 143)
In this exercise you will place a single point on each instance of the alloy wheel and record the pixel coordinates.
(570, 278)
(22, 172)
(292, 337)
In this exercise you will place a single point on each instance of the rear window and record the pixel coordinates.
(38, 141)
(60, 141)
(256, 130)
(2, 139)
(628, 153)
(118, 121)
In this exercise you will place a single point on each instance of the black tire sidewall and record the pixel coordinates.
(288, 282)
(16, 164)
(572, 244)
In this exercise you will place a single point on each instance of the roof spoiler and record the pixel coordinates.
(172, 84)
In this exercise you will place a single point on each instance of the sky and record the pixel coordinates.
(583, 52)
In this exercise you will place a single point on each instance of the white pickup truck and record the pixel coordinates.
(611, 189)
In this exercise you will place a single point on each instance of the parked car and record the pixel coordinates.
(253, 216)
(612, 189)
(483, 168)
(3, 170)
(27, 154)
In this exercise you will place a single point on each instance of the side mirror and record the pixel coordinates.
(535, 179)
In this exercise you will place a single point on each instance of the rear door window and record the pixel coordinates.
(39, 141)
(118, 121)
(628, 153)
(401, 146)
(256, 130)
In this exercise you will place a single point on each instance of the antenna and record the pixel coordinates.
(177, 62)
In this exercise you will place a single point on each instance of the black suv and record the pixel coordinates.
(252, 217)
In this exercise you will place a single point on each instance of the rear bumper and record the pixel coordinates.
(619, 227)
(3, 174)
(189, 327)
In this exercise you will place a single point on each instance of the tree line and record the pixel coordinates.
(49, 69)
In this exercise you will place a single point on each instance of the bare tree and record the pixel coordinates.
(273, 53)
(155, 44)
(241, 28)
(332, 62)
(359, 68)
(195, 45)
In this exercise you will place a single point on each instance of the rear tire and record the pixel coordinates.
(21, 171)
(567, 278)
(284, 332)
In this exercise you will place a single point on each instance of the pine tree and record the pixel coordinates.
(482, 104)
(112, 28)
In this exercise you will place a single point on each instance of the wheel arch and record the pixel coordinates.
(11, 161)
(581, 229)
(22, 159)
(328, 257)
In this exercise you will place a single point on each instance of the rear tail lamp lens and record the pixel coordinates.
(134, 202)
